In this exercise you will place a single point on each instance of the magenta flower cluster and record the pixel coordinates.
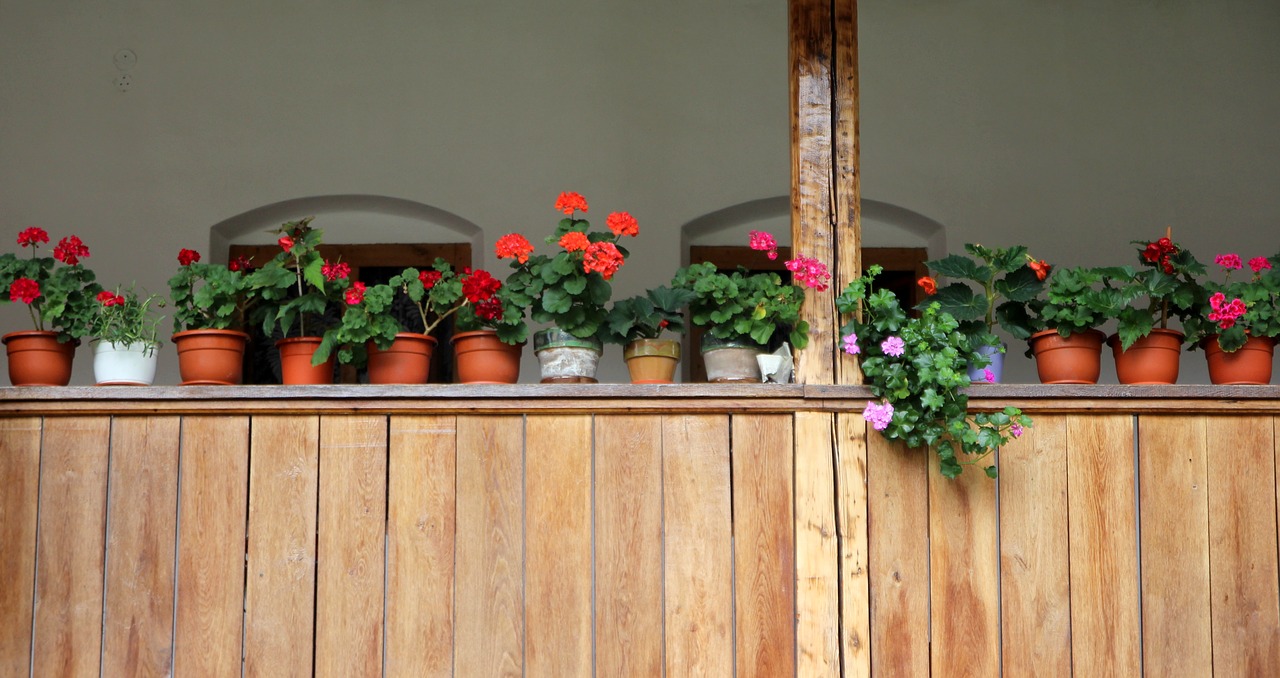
(879, 414)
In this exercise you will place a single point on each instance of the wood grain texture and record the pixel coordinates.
(698, 546)
(281, 567)
(70, 548)
(1105, 605)
(213, 511)
(628, 545)
(764, 544)
(489, 638)
(141, 533)
(1173, 455)
(19, 501)
(813, 225)
(558, 573)
(898, 554)
(420, 546)
(816, 549)
(1034, 557)
(852, 513)
(846, 169)
(1242, 547)
(964, 574)
(350, 548)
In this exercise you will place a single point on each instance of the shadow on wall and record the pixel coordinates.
(883, 225)
(347, 219)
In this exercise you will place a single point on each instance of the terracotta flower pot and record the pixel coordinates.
(652, 361)
(566, 359)
(37, 359)
(295, 362)
(481, 358)
(1075, 359)
(210, 357)
(1250, 364)
(1152, 359)
(406, 361)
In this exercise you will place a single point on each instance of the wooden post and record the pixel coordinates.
(825, 212)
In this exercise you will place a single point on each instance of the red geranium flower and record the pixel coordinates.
(810, 272)
(25, 290)
(513, 245)
(1259, 264)
(479, 286)
(355, 293)
(240, 263)
(1230, 262)
(603, 258)
(429, 278)
(332, 272)
(187, 257)
(1041, 268)
(32, 235)
(764, 242)
(622, 223)
(69, 250)
(929, 285)
(489, 309)
(285, 242)
(574, 241)
(570, 202)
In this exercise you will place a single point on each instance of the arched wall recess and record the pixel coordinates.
(347, 219)
(883, 225)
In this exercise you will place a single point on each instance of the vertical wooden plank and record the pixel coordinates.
(350, 549)
(964, 574)
(1173, 453)
(628, 545)
(698, 577)
(1242, 546)
(558, 545)
(420, 546)
(817, 558)
(213, 511)
(142, 521)
(70, 546)
(898, 553)
(280, 592)
(812, 222)
(846, 174)
(490, 594)
(1104, 546)
(19, 500)
(764, 543)
(1035, 581)
(852, 506)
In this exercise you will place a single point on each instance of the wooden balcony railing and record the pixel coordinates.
(620, 530)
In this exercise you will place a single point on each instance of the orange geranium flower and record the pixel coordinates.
(603, 258)
(570, 202)
(929, 285)
(574, 241)
(622, 223)
(1041, 268)
(513, 246)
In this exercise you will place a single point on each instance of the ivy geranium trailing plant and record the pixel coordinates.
(569, 288)
(916, 368)
(60, 293)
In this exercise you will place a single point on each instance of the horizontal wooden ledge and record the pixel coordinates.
(622, 398)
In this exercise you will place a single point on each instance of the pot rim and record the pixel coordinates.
(30, 334)
(209, 330)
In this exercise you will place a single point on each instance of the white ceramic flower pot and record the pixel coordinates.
(131, 365)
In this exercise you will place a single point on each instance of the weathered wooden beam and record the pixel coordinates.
(824, 169)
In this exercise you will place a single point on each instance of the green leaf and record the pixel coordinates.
(957, 266)
(959, 300)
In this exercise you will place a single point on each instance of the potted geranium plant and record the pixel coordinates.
(569, 289)
(488, 339)
(743, 312)
(1006, 279)
(125, 328)
(210, 305)
(396, 355)
(299, 287)
(1068, 344)
(916, 368)
(638, 324)
(1146, 349)
(59, 293)
(1238, 321)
